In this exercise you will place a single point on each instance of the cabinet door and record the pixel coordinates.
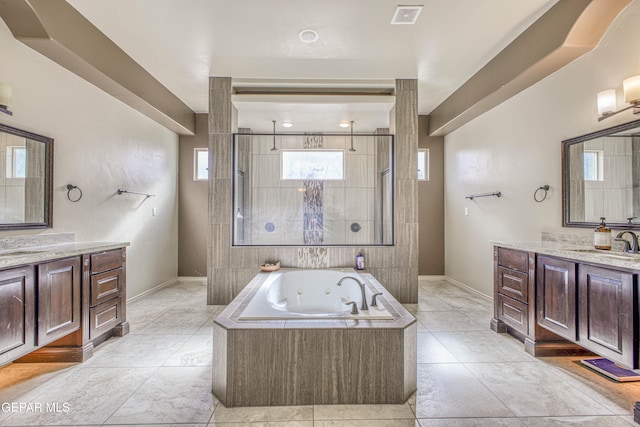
(606, 313)
(17, 313)
(556, 296)
(58, 299)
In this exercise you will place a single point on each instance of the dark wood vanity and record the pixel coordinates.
(59, 309)
(560, 305)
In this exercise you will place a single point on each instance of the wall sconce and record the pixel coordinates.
(5, 98)
(607, 99)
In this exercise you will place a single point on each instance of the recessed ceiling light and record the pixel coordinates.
(406, 15)
(287, 124)
(308, 35)
(344, 124)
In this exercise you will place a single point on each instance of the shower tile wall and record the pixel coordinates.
(337, 204)
(230, 268)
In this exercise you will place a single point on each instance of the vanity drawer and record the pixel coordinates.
(104, 317)
(513, 259)
(105, 286)
(105, 261)
(513, 283)
(513, 313)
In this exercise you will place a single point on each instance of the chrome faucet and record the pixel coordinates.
(633, 248)
(364, 305)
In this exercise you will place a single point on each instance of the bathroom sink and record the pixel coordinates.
(607, 254)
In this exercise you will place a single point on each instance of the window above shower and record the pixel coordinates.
(310, 189)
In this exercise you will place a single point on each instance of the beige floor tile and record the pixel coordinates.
(87, 396)
(483, 346)
(196, 351)
(613, 421)
(139, 351)
(22, 381)
(223, 414)
(430, 350)
(265, 424)
(451, 390)
(367, 423)
(454, 320)
(172, 395)
(471, 422)
(362, 412)
(530, 389)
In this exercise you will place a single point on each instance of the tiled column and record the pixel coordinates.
(219, 275)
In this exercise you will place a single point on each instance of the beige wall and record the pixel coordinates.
(515, 148)
(100, 145)
(431, 204)
(193, 202)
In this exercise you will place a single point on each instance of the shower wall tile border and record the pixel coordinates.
(231, 268)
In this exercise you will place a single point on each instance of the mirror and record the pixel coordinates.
(313, 189)
(26, 172)
(601, 178)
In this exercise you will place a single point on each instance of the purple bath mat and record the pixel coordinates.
(611, 369)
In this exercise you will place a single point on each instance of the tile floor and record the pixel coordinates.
(161, 374)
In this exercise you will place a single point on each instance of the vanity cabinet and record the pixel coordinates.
(58, 310)
(556, 296)
(606, 313)
(18, 302)
(58, 299)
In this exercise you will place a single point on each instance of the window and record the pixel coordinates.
(16, 162)
(200, 164)
(423, 165)
(593, 165)
(312, 164)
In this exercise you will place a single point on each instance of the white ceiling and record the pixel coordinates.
(181, 43)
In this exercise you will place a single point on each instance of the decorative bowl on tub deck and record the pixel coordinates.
(270, 267)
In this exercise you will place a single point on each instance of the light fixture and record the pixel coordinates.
(274, 136)
(5, 98)
(352, 149)
(344, 124)
(607, 99)
(287, 124)
(308, 36)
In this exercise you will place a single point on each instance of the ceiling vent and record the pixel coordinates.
(406, 15)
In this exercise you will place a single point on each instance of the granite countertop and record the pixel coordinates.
(36, 254)
(577, 252)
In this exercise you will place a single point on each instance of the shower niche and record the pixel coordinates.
(312, 189)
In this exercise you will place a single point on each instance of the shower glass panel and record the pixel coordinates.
(313, 189)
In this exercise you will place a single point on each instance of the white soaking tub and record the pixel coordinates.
(312, 294)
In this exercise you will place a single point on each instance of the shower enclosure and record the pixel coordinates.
(313, 189)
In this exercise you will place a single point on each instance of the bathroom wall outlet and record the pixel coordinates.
(154, 211)
(466, 211)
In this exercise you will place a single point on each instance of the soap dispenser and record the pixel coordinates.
(359, 261)
(602, 236)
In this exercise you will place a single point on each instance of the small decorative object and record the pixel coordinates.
(269, 227)
(359, 261)
(270, 267)
(355, 227)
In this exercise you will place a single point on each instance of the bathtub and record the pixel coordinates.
(312, 294)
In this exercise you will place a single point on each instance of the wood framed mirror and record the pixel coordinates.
(26, 180)
(601, 178)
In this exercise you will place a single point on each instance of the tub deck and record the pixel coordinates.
(302, 362)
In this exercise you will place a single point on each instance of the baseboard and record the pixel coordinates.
(153, 290)
(461, 285)
(432, 278)
(193, 279)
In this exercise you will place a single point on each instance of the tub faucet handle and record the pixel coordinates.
(374, 299)
(354, 306)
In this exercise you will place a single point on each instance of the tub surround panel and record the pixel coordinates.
(304, 362)
(402, 281)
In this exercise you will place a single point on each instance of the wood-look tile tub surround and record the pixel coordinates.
(304, 362)
(229, 267)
